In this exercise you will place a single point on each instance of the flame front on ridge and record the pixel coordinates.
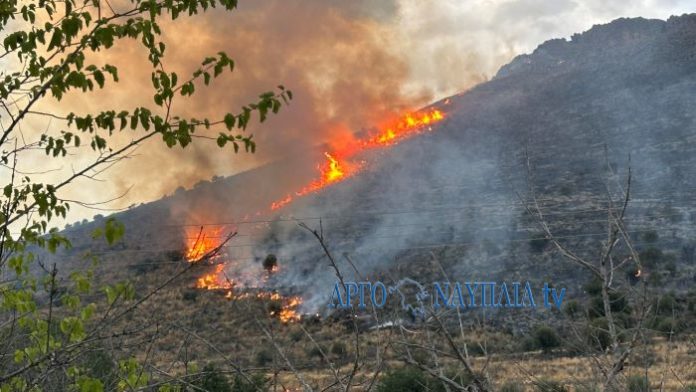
(339, 166)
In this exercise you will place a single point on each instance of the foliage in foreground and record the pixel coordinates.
(50, 317)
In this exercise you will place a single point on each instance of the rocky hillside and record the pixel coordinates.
(583, 110)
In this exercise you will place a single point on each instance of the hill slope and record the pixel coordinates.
(618, 93)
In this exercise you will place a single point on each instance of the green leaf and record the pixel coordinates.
(229, 121)
(113, 230)
(222, 140)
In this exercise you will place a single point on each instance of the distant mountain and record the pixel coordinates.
(583, 110)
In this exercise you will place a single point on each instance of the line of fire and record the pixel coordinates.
(339, 165)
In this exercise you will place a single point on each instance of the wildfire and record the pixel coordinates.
(408, 126)
(281, 203)
(288, 311)
(339, 165)
(332, 171)
(198, 244)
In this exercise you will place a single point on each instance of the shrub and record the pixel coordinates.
(550, 386)
(270, 262)
(264, 357)
(101, 365)
(597, 335)
(651, 256)
(617, 303)
(668, 326)
(586, 388)
(175, 255)
(594, 287)
(255, 383)
(338, 348)
(572, 308)
(315, 352)
(667, 305)
(212, 380)
(538, 243)
(637, 384)
(296, 335)
(512, 387)
(650, 236)
(405, 379)
(546, 338)
(190, 295)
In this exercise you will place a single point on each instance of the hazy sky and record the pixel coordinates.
(349, 63)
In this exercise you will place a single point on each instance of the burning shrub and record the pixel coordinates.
(274, 307)
(270, 263)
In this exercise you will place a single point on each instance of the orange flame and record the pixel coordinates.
(199, 244)
(408, 126)
(338, 166)
(215, 280)
(288, 312)
(332, 171)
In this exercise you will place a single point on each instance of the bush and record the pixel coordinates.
(256, 383)
(597, 335)
(190, 295)
(667, 305)
(538, 243)
(637, 384)
(512, 387)
(403, 380)
(407, 379)
(651, 256)
(668, 326)
(586, 388)
(550, 386)
(594, 287)
(650, 236)
(315, 352)
(338, 348)
(102, 366)
(270, 262)
(296, 335)
(617, 303)
(572, 308)
(546, 338)
(212, 380)
(264, 357)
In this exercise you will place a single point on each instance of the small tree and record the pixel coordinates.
(546, 338)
